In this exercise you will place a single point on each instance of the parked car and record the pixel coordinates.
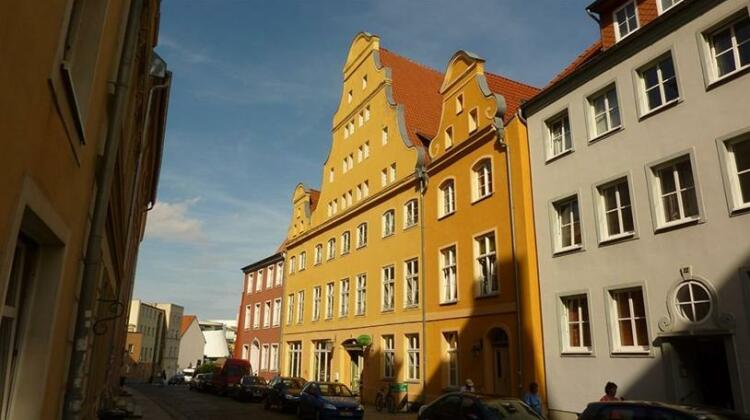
(228, 375)
(201, 382)
(328, 400)
(466, 405)
(176, 379)
(251, 388)
(188, 373)
(283, 392)
(655, 410)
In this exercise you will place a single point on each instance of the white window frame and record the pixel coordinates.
(264, 357)
(392, 173)
(459, 103)
(276, 319)
(482, 179)
(279, 273)
(709, 36)
(349, 97)
(361, 295)
(346, 242)
(322, 360)
(565, 137)
(256, 315)
(450, 343)
(317, 292)
(389, 356)
(364, 82)
(267, 314)
(602, 212)
(448, 137)
(413, 357)
(302, 260)
(663, 9)
(388, 221)
(558, 207)
(384, 177)
(384, 136)
(249, 286)
(484, 259)
(259, 281)
(248, 316)
(344, 298)
(332, 248)
(473, 117)
(318, 254)
(362, 235)
(330, 288)
(292, 264)
(300, 306)
(617, 346)
(656, 193)
(411, 283)
(661, 81)
(411, 213)
(295, 358)
(609, 111)
(366, 150)
(388, 288)
(289, 309)
(269, 276)
(731, 174)
(367, 113)
(274, 367)
(618, 36)
(448, 257)
(565, 322)
(366, 189)
(447, 198)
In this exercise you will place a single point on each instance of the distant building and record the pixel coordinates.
(259, 329)
(215, 334)
(230, 330)
(173, 318)
(192, 343)
(145, 341)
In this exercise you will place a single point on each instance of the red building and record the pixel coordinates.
(259, 321)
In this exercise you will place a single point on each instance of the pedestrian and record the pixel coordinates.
(532, 398)
(468, 386)
(163, 377)
(610, 393)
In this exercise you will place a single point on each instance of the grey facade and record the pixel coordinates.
(690, 345)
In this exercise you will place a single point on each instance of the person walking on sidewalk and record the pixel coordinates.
(610, 393)
(532, 398)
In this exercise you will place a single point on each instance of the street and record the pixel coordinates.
(177, 402)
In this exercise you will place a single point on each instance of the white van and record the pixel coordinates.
(188, 373)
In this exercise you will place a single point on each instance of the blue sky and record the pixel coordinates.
(255, 87)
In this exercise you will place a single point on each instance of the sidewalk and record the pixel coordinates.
(147, 407)
(372, 414)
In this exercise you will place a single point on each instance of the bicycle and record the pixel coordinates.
(385, 399)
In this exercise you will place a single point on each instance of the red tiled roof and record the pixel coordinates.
(186, 321)
(514, 92)
(314, 196)
(416, 87)
(582, 59)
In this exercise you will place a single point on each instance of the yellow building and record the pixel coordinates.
(362, 254)
(82, 114)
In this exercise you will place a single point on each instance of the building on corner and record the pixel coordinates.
(171, 349)
(192, 343)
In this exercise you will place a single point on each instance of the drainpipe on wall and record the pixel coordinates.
(80, 358)
(501, 140)
(422, 182)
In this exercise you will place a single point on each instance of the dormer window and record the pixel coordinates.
(459, 103)
(384, 136)
(665, 5)
(330, 175)
(625, 20)
(361, 118)
(364, 82)
(349, 97)
(448, 137)
(473, 120)
(367, 113)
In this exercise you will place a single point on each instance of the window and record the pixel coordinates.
(459, 103)
(389, 289)
(667, 4)
(473, 120)
(659, 83)
(411, 282)
(361, 235)
(360, 154)
(392, 173)
(676, 196)
(349, 97)
(345, 242)
(259, 281)
(364, 82)
(626, 20)
(367, 113)
(384, 177)
(558, 131)
(346, 131)
(322, 361)
(412, 357)
(629, 317)
(447, 198)
(344, 165)
(344, 298)
(316, 303)
(331, 248)
(358, 192)
(295, 358)
(366, 189)
(330, 175)
(448, 137)
(361, 118)
(330, 209)
(277, 312)
(350, 161)
(302, 260)
(289, 308)
(361, 298)
(485, 266)
(329, 300)
(568, 225)
(575, 326)
(274, 357)
(264, 357)
(738, 165)
(384, 136)
(389, 357)
(411, 213)
(616, 213)
(730, 47)
(366, 149)
(279, 273)
(249, 286)
(318, 254)
(248, 312)
(256, 315)
(335, 206)
(292, 265)
(451, 355)
(604, 111)
(389, 223)
(449, 291)
(482, 179)
(693, 301)
(267, 314)
(300, 306)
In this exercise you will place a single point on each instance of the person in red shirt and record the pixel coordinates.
(610, 393)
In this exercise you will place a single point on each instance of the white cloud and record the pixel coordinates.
(170, 222)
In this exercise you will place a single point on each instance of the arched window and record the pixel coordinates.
(411, 213)
(389, 223)
(447, 198)
(482, 179)
(693, 301)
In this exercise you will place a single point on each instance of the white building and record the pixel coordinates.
(192, 343)
(215, 334)
(173, 319)
(230, 329)
(640, 156)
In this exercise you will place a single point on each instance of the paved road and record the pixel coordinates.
(178, 403)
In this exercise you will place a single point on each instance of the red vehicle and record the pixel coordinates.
(229, 374)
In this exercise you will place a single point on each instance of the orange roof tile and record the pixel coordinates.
(416, 87)
(514, 92)
(186, 321)
(582, 59)
(314, 196)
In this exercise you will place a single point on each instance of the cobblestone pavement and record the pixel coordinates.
(178, 403)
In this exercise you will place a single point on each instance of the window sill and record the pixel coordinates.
(577, 353)
(568, 250)
(362, 315)
(727, 78)
(317, 264)
(449, 302)
(631, 353)
(482, 198)
(617, 238)
(409, 227)
(412, 381)
(559, 156)
(487, 295)
(606, 134)
(411, 307)
(386, 311)
(740, 210)
(446, 215)
(388, 235)
(361, 246)
(677, 224)
(344, 253)
(331, 259)
(660, 109)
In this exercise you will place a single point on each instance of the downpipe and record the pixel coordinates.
(78, 370)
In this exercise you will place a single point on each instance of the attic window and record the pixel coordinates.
(473, 120)
(367, 113)
(626, 20)
(459, 103)
(384, 137)
(330, 175)
(448, 137)
(349, 97)
(364, 82)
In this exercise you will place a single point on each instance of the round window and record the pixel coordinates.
(693, 301)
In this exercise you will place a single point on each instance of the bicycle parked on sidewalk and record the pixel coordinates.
(385, 398)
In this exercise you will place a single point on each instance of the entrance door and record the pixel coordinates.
(500, 355)
(357, 361)
(255, 357)
(701, 372)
